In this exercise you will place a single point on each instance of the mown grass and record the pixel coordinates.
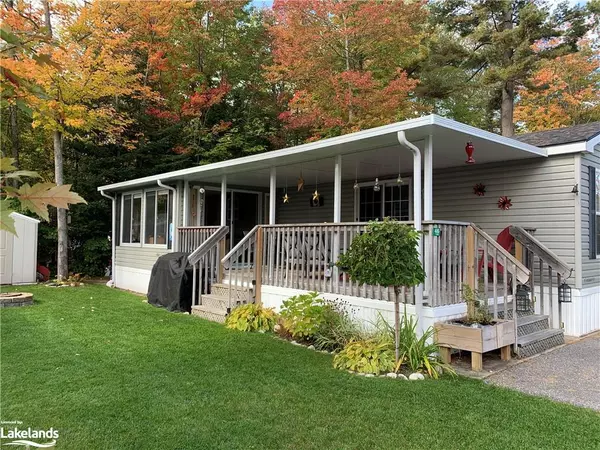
(110, 371)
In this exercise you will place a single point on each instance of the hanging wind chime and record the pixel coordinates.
(377, 186)
(316, 195)
(356, 186)
(300, 184)
(399, 179)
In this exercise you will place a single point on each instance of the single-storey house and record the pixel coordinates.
(267, 226)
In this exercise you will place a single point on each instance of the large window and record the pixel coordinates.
(392, 200)
(131, 218)
(594, 212)
(148, 213)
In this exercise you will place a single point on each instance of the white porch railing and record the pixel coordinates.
(205, 261)
(190, 238)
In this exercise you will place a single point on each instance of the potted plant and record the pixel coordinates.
(478, 332)
(386, 255)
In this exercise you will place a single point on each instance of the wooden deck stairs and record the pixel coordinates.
(215, 306)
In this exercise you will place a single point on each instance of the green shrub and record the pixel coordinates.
(338, 328)
(303, 315)
(368, 356)
(418, 354)
(252, 317)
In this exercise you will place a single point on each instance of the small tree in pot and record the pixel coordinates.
(386, 255)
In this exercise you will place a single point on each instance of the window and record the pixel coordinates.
(156, 223)
(594, 212)
(392, 200)
(146, 214)
(132, 218)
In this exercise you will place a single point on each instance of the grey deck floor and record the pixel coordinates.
(569, 374)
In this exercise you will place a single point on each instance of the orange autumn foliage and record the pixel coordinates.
(563, 92)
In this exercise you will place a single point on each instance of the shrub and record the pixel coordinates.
(252, 317)
(303, 315)
(367, 356)
(338, 328)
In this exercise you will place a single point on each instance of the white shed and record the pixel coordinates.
(18, 254)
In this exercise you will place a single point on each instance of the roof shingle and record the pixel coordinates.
(567, 135)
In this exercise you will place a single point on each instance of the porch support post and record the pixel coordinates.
(272, 195)
(224, 201)
(428, 178)
(417, 218)
(186, 199)
(337, 190)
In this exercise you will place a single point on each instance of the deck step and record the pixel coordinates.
(530, 324)
(209, 313)
(217, 302)
(539, 342)
(237, 293)
(509, 312)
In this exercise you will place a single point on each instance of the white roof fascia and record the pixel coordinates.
(594, 142)
(16, 215)
(431, 119)
(563, 149)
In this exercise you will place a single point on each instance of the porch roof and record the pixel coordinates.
(371, 151)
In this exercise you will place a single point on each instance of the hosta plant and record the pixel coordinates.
(368, 356)
(252, 317)
(303, 315)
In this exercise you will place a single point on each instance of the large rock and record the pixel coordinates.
(392, 375)
(416, 376)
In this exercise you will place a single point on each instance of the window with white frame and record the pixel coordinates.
(392, 200)
(596, 173)
(131, 218)
(145, 218)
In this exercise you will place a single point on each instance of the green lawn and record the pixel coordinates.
(110, 371)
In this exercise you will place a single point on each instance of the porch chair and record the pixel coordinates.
(506, 241)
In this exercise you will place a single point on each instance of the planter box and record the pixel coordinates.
(476, 340)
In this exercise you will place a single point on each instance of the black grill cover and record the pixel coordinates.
(171, 283)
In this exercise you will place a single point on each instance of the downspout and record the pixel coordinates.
(417, 218)
(175, 211)
(113, 237)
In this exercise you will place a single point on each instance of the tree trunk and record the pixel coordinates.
(13, 111)
(508, 88)
(397, 324)
(62, 262)
(47, 17)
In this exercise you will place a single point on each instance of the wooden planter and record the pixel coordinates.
(476, 340)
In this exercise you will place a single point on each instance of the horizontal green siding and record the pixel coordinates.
(590, 267)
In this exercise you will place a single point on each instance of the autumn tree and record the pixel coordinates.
(562, 92)
(339, 64)
(498, 38)
(83, 88)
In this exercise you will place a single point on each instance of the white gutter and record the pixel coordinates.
(417, 218)
(113, 238)
(175, 211)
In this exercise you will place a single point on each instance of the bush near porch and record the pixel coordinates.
(109, 371)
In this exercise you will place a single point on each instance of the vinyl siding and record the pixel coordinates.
(540, 191)
(138, 257)
(590, 267)
(298, 210)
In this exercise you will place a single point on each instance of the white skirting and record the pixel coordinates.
(582, 316)
(136, 280)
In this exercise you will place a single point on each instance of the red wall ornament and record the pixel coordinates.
(470, 149)
(479, 189)
(504, 202)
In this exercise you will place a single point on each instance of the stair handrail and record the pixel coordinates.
(207, 245)
(523, 272)
(539, 249)
(227, 258)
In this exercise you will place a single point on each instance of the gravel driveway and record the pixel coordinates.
(569, 374)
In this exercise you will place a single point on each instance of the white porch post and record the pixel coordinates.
(186, 199)
(428, 178)
(337, 190)
(417, 217)
(224, 200)
(272, 195)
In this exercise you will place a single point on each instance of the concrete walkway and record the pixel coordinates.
(569, 374)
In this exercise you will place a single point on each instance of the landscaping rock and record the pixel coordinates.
(402, 377)
(369, 375)
(311, 347)
(392, 375)
(416, 376)
(296, 343)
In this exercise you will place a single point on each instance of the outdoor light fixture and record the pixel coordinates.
(470, 149)
(564, 293)
(523, 298)
(376, 187)
(575, 189)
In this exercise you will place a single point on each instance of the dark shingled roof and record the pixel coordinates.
(558, 136)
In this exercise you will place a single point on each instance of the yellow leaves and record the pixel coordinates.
(38, 197)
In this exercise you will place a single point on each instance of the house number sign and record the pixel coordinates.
(436, 231)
